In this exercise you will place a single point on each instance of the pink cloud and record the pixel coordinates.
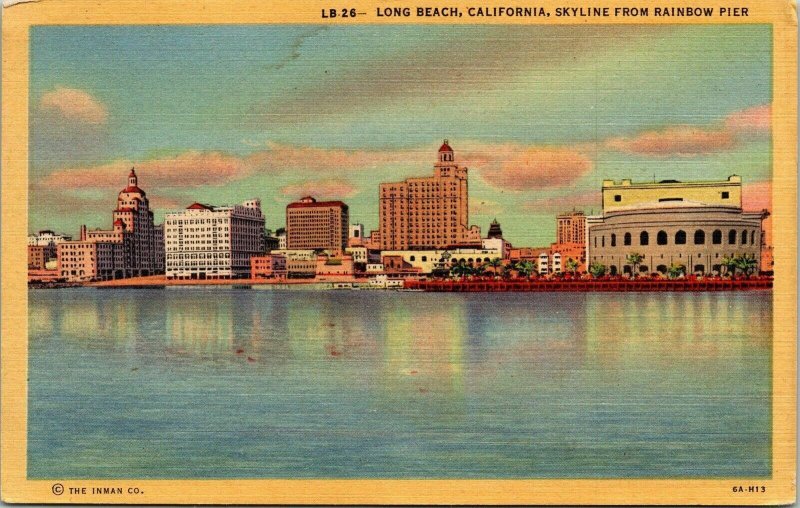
(75, 105)
(757, 196)
(321, 189)
(188, 169)
(755, 120)
(521, 168)
(682, 140)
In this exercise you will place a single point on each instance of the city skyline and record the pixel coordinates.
(237, 112)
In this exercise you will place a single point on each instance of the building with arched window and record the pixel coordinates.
(665, 223)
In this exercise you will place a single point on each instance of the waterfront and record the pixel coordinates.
(227, 382)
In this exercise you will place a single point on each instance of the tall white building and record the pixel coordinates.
(213, 242)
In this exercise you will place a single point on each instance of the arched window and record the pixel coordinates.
(752, 237)
(680, 237)
(613, 240)
(644, 238)
(716, 237)
(744, 236)
(732, 237)
(661, 238)
(699, 237)
(627, 239)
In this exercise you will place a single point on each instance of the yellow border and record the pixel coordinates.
(780, 489)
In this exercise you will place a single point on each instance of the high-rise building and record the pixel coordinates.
(317, 225)
(213, 242)
(139, 246)
(571, 228)
(430, 212)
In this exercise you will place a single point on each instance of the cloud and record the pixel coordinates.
(682, 140)
(691, 141)
(521, 168)
(751, 121)
(757, 196)
(189, 169)
(74, 105)
(320, 189)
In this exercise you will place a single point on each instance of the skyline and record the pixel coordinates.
(277, 112)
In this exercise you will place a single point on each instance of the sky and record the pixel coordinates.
(539, 114)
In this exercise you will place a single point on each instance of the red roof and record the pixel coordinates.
(119, 222)
(132, 173)
(126, 209)
(316, 204)
(199, 206)
(132, 188)
(445, 147)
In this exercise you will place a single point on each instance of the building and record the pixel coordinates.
(571, 228)
(213, 242)
(271, 266)
(356, 237)
(334, 267)
(138, 242)
(40, 255)
(495, 231)
(695, 225)
(47, 237)
(428, 213)
(87, 260)
(317, 225)
(299, 263)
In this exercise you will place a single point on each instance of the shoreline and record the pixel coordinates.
(450, 285)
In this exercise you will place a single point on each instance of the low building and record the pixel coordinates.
(271, 266)
(672, 228)
(88, 260)
(334, 267)
(213, 242)
(360, 254)
(300, 263)
(46, 238)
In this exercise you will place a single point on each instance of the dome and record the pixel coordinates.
(445, 147)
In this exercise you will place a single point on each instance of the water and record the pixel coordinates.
(213, 383)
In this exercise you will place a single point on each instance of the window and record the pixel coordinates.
(752, 237)
(617, 197)
(680, 238)
(716, 237)
(732, 237)
(661, 238)
(726, 195)
(644, 238)
(699, 237)
(603, 241)
(613, 240)
(744, 237)
(627, 239)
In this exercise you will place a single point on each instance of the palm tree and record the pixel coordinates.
(746, 263)
(572, 266)
(634, 259)
(479, 270)
(597, 269)
(495, 263)
(675, 270)
(730, 265)
(460, 270)
(524, 268)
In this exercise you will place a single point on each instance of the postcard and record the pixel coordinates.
(387, 252)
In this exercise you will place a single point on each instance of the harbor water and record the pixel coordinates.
(210, 382)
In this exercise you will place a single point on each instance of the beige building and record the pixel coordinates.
(571, 228)
(428, 213)
(672, 228)
(317, 225)
(139, 243)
